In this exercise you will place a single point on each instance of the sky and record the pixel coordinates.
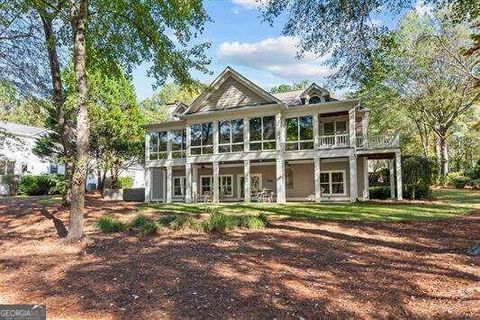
(240, 39)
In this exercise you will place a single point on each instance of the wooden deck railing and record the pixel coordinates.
(379, 141)
(334, 141)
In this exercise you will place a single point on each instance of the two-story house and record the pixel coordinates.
(237, 142)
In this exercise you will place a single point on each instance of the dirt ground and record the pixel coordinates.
(295, 269)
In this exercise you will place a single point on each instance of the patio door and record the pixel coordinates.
(255, 182)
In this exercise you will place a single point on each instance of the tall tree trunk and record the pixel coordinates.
(442, 154)
(78, 15)
(58, 101)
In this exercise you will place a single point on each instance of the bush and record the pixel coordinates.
(381, 193)
(417, 175)
(139, 221)
(253, 222)
(149, 228)
(45, 184)
(457, 180)
(110, 224)
(475, 184)
(219, 222)
(143, 225)
(182, 222)
(123, 183)
(474, 173)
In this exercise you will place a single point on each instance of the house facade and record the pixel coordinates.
(237, 142)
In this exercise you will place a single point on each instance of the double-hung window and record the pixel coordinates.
(158, 145)
(262, 133)
(332, 127)
(202, 138)
(299, 133)
(178, 143)
(178, 186)
(225, 185)
(332, 183)
(230, 136)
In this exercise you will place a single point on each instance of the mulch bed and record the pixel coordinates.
(295, 269)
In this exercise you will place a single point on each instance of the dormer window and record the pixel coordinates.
(314, 99)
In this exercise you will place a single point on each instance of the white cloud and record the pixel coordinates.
(423, 8)
(249, 4)
(277, 56)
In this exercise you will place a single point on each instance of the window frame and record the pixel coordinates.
(315, 96)
(263, 141)
(220, 185)
(202, 147)
(182, 186)
(157, 154)
(230, 144)
(182, 152)
(298, 142)
(335, 130)
(330, 183)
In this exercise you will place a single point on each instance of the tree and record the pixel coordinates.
(424, 75)
(154, 108)
(287, 87)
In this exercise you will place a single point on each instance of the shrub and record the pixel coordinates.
(45, 184)
(143, 224)
(475, 184)
(219, 222)
(457, 180)
(123, 183)
(381, 192)
(166, 220)
(139, 221)
(417, 175)
(110, 224)
(474, 173)
(252, 222)
(149, 228)
(183, 222)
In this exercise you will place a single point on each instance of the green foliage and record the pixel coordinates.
(11, 181)
(183, 222)
(474, 173)
(219, 222)
(457, 180)
(417, 176)
(293, 87)
(149, 228)
(139, 221)
(124, 183)
(380, 192)
(109, 224)
(253, 222)
(144, 225)
(46, 184)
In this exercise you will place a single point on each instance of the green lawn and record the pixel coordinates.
(447, 203)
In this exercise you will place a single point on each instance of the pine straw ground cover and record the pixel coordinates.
(298, 267)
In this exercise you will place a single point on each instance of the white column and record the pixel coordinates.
(366, 182)
(316, 137)
(188, 182)
(194, 182)
(398, 161)
(247, 181)
(215, 137)
(169, 144)
(188, 139)
(216, 184)
(280, 132)
(351, 128)
(246, 134)
(365, 128)
(391, 166)
(169, 184)
(280, 172)
(316, 173)
(148, 184)
(147, 146)
(353, 178)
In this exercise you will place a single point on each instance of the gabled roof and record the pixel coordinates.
(21, 129)
(312, 87)
(224, 76)
(175, 110)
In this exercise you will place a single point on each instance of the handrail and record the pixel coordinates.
(379, 141)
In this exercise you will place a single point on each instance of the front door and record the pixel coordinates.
(256, 184)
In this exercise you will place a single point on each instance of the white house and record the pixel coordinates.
(237, 142)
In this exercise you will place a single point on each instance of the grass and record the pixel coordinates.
(109, 224)
(447, 203)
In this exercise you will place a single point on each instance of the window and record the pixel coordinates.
(202, 138)
(299, 133)
(206, 184)
(178, 144)
(314, 99)
(24, 168)
(7, 167)
(158, 145)
(332, 183)
(225, 186)
(334, 127)
(178, 186)
(230, 137)
(53, 168)
(262, 133)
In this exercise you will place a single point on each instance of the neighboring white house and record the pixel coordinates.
(16, 156)
(237, 142)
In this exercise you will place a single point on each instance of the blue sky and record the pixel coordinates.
(257, 50)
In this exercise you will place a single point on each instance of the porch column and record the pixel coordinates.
(365, 128)
(169, 184)
(398, 161)
(215, 137)
(353, 177)
(246, 134)
(188, 140)
(316, 172)
(351, 128)
(169, 144)
(366, 182)
(216, 185)
(391, 166)
(148, 184)
(188, 182)
(280, 171)
(316, 138)
(194, 182)
(247, 181)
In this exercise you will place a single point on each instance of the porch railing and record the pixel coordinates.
(334, 141)
(379, 141)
